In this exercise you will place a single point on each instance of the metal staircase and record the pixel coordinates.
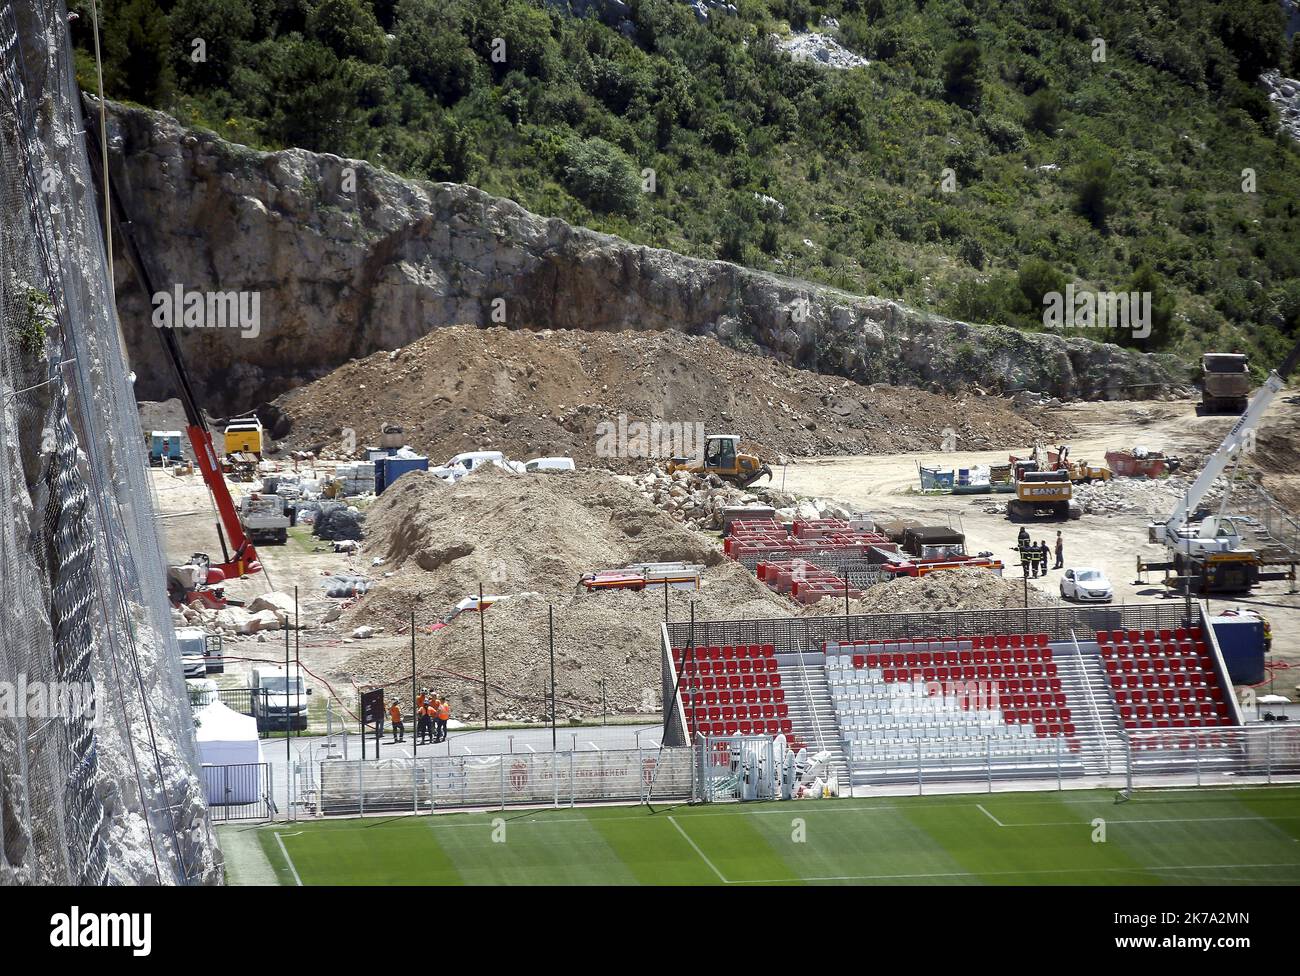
(812, 712)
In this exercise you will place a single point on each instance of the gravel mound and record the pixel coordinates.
(957, 589)
(533, 394)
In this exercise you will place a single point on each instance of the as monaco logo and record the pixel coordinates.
(519, 775)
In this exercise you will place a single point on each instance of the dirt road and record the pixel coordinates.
(886, 486)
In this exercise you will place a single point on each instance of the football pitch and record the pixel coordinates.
(1246, 836)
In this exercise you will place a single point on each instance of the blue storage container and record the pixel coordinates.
(389, 469)
(1241, 639)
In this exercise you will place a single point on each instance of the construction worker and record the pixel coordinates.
(1022, 539)
(1060, 551)
(423, 723)
(444, 713)
(1042, 557)
(399, 727)
(434, 706)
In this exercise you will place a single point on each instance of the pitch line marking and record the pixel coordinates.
(986, 874)
(279, 839)
(704, 857)
(980, 807)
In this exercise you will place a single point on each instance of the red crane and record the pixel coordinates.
(201, 579)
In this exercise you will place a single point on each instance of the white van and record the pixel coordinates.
(279, 697)
(462, 464)
(550, 464)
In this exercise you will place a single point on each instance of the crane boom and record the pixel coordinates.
(1233, 442)
(240, 558)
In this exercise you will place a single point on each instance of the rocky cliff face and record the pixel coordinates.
(348, 259)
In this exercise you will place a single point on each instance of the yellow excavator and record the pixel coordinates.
(722, 457)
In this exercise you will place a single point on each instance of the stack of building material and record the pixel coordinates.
(355, 479)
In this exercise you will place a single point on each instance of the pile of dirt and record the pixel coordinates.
(958, 589)
(531, 537)
(1276, 456)
(562, 392)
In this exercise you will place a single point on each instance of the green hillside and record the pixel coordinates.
(1119, 173)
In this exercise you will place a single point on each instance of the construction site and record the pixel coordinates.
(724, 560)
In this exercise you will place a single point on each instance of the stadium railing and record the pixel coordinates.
(437, 783)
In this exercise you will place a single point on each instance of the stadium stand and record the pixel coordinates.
(973, 699)
(961, 702)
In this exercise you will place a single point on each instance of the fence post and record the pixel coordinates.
(988, 760)
(502, 763)
(415, 786)
(1196, 744)
(361, 787)
(432, 802)
(1059, 787)
(572, 784)
(1268, 753)
(851, 744)
(920, 773)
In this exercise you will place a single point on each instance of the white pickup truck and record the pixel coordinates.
(265, 518)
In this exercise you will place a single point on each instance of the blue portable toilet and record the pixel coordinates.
(165, 443)
(389, 469)
(1241, 639)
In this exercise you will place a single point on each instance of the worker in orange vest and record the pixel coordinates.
(434, 704)
(399, 728)
(444, 713)
(423, 724)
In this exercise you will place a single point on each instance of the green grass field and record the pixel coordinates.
(1248, 836)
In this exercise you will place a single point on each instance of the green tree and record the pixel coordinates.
(962, 65)
(602, 176)
(1044, 111)
(1035, 279)
(1165, 330)
(348, 28)
(1094, 190)
(1253, 30)
(136, 47)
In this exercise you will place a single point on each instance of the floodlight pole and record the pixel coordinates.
(482, 640)
(550, 620)
(415, 715)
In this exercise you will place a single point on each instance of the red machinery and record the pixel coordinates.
(199, 579)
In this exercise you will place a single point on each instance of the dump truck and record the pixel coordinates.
(722, 457)
(1225, 382)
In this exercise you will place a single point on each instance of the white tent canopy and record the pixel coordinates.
(228, 739)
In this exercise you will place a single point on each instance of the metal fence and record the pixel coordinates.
(803, 634)
(356, 787)
(743, 767)
(1253, 755)
(240, 791)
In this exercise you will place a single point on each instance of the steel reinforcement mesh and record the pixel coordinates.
(106, 793)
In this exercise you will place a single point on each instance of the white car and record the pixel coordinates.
(550, 464)
(1086, 584)
(463, 464)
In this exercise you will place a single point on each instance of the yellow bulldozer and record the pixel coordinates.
(722, 457)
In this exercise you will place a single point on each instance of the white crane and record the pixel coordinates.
(1215, 538)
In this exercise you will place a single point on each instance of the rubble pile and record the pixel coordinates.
(698, 501)
(1137, 496)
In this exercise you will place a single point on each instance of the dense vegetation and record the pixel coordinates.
(985, 157)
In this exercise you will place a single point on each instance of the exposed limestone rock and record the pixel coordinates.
(350, 259)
